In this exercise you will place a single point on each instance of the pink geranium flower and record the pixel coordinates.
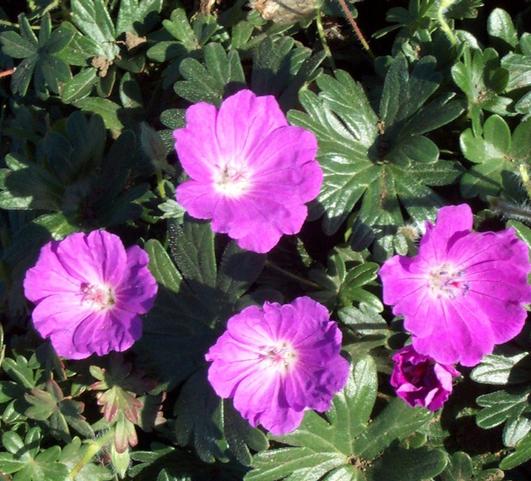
(464, 291)
(420, 381)
(89, 293)
(250, 172)
(277, 361)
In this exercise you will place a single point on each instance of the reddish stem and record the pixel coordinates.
(354, 25)
(7, 73)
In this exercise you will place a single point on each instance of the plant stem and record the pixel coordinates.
(444, 5)
(292, 276)
(510, 210)
(160, 183)
(7, 23)
(322, 37)
(354, 25)
(92, 449)
(7, 73)
(526, 180)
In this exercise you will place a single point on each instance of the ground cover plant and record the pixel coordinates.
(265, 240)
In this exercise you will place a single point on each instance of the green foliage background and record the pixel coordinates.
(436, 111)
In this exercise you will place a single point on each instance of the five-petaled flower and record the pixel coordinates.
(420, 381)
(277, 361)
(464, 291)
(89, 293)
(250, 172)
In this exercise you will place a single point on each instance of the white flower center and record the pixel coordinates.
(447, 281)
(281, 356)
(96, 296)
(231, 179)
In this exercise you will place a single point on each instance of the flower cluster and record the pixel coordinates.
(89, 293)
(252, 174)
(460, 296)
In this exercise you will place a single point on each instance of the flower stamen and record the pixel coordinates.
(97, 296)
(281, 356)
(447, 282)
(231, 180)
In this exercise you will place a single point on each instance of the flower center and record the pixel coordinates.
(447, 282)
(416, 373)
(231, 179)
(281, 356)
(98, 297)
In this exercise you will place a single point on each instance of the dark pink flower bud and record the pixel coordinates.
(420, 381)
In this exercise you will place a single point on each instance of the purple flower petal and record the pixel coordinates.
(89, 294)
(464, 291)
(244, 112)
(197, 143)
(251, 172)
(420, 381)
(277, 361)
(452, 223)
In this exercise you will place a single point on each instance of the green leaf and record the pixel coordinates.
(21, 371)
(520, 456)
(522, 231)
(192, 248)
(500, 26)
(396, 421)
(27, 185)
(43, 467)
(93, 19)
(195, 296)
(12, 442)
(481, 78)
(345, 280)
(80, 85)
(212, 425)
(16, 46)
(176, 333)
(378, 161)
(282, 68)
(502, 369)
(461, 9)
(107, 109)
(518, 67)
(80, 49)
(352, 289)
(500, 406)
(237, 266)
(165, 463)
(40, 61)
(135, 15)
(497, 155)
(516, 429)
(398, 464)
(72, 455)
(9, 464)
(365, 321)
(57, 412)
(221, 73)
(343, 444)
(459, 468)
(179, 27)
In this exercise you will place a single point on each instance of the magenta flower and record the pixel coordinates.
(464, 291)
(89, 293)
(277, 361)
(420, 381)
(250, 172)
